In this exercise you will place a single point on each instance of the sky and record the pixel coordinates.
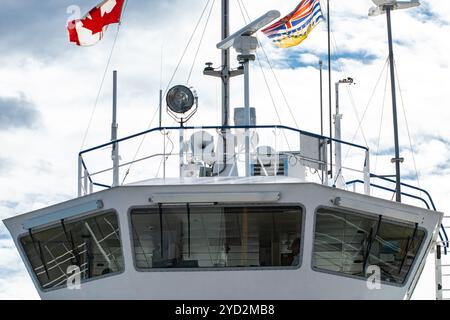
(48, 90)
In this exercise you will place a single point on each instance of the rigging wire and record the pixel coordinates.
(187, 46)
(167, 88)
(381, 122)
(367, 107)
(277, 81)
(407, 126)
(200, 42)
(138, 149)
(265, 79)
(272, 70)
(108, 62)
(349, 91)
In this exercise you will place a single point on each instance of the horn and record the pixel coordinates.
(202, 147)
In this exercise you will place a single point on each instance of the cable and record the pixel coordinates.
(265, 80)
(103, 78)
(170, 152)
(367, 108)
(352, 101)
(139, 147)
(168, 85)
(201, 40)
(407, 126)
(187, 46)
(100, 90)
(381, 122)
(272, 70)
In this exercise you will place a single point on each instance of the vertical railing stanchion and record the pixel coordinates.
(323, 149)
(80, 166)
(438, 272)
(164, 156)
(367, 173)
(85, 182)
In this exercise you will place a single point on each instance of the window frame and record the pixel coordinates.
(221, 269)
(73, 218)
(370, 215)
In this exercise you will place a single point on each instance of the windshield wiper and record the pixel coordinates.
(76, 254)
(370, 242)
(41, 255)
(408, 247)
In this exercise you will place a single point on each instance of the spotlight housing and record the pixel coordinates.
(182, 103)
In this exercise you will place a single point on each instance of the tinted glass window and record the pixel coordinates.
(91, 244)
(216, 237)
(349, 243)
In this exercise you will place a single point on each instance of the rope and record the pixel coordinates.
(200, 43)
(103, 78)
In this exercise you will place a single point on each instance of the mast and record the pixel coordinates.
(387, 7)
(397, 160)
(225, 74)
(225, 66)
(329, 88)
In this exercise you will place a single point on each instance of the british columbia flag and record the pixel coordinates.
(296, 26)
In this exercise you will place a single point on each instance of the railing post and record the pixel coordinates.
(85, 183)
(438, 272)
(367, 173)
(80, 166)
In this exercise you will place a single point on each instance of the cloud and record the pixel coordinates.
(18, 113)
(4, 165)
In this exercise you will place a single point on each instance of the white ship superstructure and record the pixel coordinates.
(236, 211)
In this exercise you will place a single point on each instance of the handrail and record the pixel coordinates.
(406, 185)
(388, 189)
(444, 232)
(313, 135)
(431, 201)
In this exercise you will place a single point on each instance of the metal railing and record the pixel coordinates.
(281, 138)
(429, 203)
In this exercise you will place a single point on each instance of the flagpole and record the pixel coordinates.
(329, 88)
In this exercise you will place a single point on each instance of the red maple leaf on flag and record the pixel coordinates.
(95, 21)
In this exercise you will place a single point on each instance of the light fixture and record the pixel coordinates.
(182, 103)
(392, 4)
(216, 197)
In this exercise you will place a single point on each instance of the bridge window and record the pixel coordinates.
(350, 243)
(75, 250)
(217, 237)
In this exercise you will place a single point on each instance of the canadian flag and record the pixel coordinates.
(90, 29)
